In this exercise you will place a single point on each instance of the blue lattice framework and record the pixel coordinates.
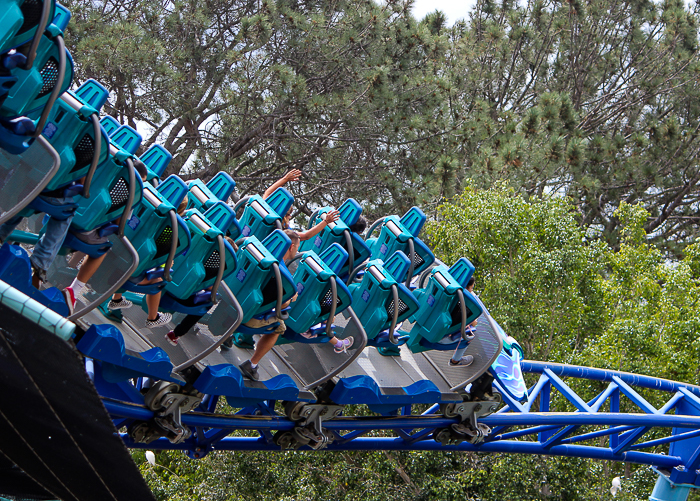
(531, 428)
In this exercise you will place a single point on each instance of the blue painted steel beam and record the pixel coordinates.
(578, 371)
(383, 443)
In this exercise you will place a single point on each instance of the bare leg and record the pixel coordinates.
(264, 344)
(152, 301)
(89, 267)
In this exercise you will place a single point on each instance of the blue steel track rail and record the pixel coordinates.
(555, 421)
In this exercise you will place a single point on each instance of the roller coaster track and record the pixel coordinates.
(617, 424)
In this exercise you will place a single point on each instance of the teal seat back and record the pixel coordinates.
(110, 124)
(200, 197)
(222, 185)
(32, 90)
(258, 219)
(224, 218)
(394, 236)
(126, 138)
(71, 133)
(109, 193)
(280, 201)
(253, 282)
(350, 211)
(156, 159)
(334, 233)
(173, 189)
(372, 297)
(19, 21)
(440, 313)
(312, 280)
(197, 269)
(150, 231)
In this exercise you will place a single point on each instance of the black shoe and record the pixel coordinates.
(248, 371)
(228, 344)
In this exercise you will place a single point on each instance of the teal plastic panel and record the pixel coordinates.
(314, 301)
(200, 197)
(224, 218)
(280, 201)
(440, 314)
(350, 211)
(394, 236)
(334, 257)
(414, 220)
(197, 269)
(277, 243)
(61, 17)
(94, 94)
(109, 123)
(157, 159)
(222, 185)
(150, 231)
(109, 192)
(32, 90)
(373, 299)
(126, 138)
(173, 189)
(253, 282)
(72, 136)
(462, 271)
(333, 233)
(258, 219)
(19, 20)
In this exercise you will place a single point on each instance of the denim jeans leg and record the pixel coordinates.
(50, 243)
(7, 228)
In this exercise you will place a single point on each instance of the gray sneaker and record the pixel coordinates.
(463, 362)
(248, 371)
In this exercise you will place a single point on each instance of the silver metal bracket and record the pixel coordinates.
(468, 428)
(168, 401)
(309, 430)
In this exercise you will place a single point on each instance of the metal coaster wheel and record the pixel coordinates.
(155, 397)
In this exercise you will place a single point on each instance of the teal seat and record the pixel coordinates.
(373, 300)
(37, 87)
(253, 282)
(438, 322)
(73, 133)
(401, 234)
(263, 216)
(173, 189)
(224, 218)
(126, 138)
(312, 280)
(151, 229)
(20, 19)
(339, 232)
(222, 186)
(199, 196)
(208, 257)
(156, 159)
(110, 124)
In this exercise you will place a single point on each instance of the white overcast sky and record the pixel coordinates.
(453, 9)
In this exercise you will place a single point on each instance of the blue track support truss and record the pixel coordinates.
(617, 424)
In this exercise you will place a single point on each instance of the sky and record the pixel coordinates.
(453, 9)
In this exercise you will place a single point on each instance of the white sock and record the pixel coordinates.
(77, 286)
(254, 366)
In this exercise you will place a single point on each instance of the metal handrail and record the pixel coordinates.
(57, 88)
(130, 200)
(222, 268)
(41, 27)
(97, 131)
(173, 245)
